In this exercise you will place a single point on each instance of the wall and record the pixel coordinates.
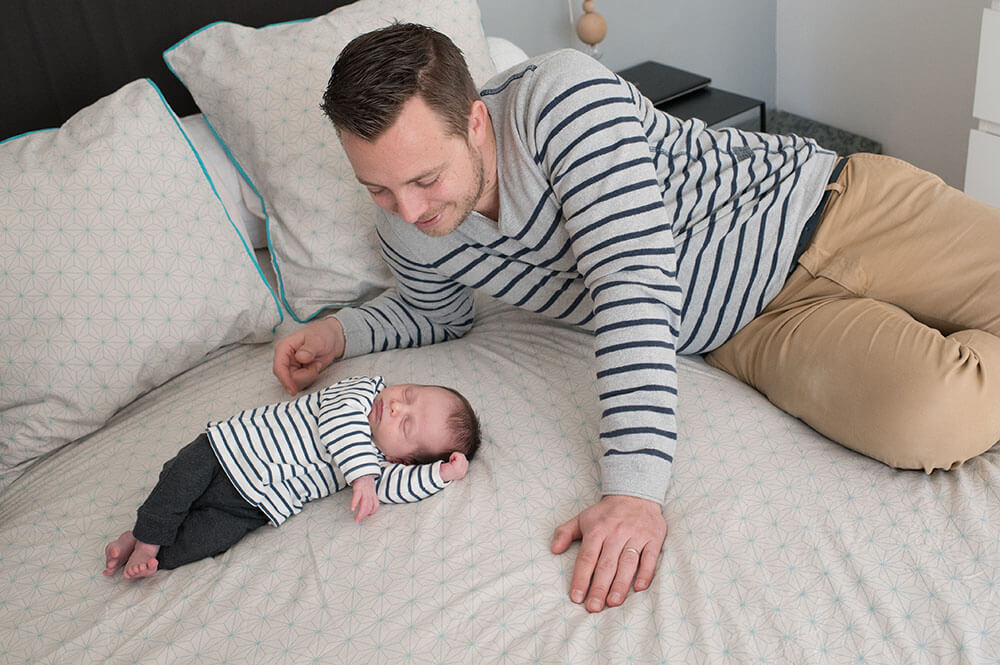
(902, 73)
(731, 41)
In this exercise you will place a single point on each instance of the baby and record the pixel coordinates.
(391, 444)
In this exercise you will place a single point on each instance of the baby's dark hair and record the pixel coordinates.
(464, 426)
(465, 430)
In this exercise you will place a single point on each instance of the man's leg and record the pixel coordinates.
(901, 235)
(886, 338)
(869, 376)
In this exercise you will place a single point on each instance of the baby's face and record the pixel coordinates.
(409, 420)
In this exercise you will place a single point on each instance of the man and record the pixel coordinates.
(560, 189)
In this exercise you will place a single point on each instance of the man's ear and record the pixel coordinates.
(479, 123)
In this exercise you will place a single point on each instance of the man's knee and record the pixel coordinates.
(945, 415)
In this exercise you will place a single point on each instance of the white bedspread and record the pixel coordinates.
(782, 548)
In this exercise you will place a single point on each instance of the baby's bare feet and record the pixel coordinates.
(137, 557)
(118, 551)
(143, 561)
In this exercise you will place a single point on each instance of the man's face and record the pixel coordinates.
(409, 420)
(419, 172)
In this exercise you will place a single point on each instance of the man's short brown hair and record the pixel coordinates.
(379, 71)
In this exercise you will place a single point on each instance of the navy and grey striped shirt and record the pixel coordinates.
(659, 235)
(282, 456)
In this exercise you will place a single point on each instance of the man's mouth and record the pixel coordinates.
(429, 222)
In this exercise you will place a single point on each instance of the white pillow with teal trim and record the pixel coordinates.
(260, 89)
(119, 268)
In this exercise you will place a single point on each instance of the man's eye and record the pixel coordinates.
(427, 183)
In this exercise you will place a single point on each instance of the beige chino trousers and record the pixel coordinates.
(886, 336)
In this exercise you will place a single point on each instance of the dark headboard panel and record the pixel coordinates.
(57, 56)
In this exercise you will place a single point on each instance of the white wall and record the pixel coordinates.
(902, 73)
(731, 41)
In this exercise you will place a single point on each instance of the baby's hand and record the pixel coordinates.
(454, 468)
(364, 499)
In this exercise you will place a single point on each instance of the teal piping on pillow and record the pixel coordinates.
(249, 181)
(246, 246)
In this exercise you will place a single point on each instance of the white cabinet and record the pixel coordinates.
(982, 170)
(987, 102)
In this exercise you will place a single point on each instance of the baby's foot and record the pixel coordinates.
(143, 561)
(118, 551)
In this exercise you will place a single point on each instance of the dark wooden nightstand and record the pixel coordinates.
(685, 95)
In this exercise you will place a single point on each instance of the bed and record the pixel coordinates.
(141, 291)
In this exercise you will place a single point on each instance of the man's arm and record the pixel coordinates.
(423, 308)
(590, 140)
(622, 538)
(300, 356)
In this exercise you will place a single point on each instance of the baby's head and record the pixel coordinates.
(416, 424)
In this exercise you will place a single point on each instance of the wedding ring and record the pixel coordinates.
(632, 549)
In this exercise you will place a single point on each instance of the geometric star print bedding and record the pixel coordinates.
(782, 547)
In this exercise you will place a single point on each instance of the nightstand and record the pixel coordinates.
(685, 95)
(719, 108)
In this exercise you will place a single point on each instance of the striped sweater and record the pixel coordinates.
(661, 236)
(284, 455)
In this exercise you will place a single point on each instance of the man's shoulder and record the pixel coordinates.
(547, 69)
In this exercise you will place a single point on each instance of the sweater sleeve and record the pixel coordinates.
(424, 307)
(343, 426)
(589, 139)
(405, 483)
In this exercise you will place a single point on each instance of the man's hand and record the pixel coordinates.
(454, 468)
(300, 356)
(622, 538)
(364, 499)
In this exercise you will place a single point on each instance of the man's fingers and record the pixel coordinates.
(283, 370)
(303, 376)
(304, 356)
(591, 571)
(565, 534)
(621, 541)
(647, 565)
(286, 361)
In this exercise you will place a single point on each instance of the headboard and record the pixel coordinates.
(57, 56)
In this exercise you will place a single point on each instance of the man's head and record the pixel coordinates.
(417, 424)
(417, 134)
(379, 71)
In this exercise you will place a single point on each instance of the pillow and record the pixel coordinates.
(505, 53)
(260, 90)
(119, 268)
(227, 179)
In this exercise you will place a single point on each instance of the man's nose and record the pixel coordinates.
(410, 207)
